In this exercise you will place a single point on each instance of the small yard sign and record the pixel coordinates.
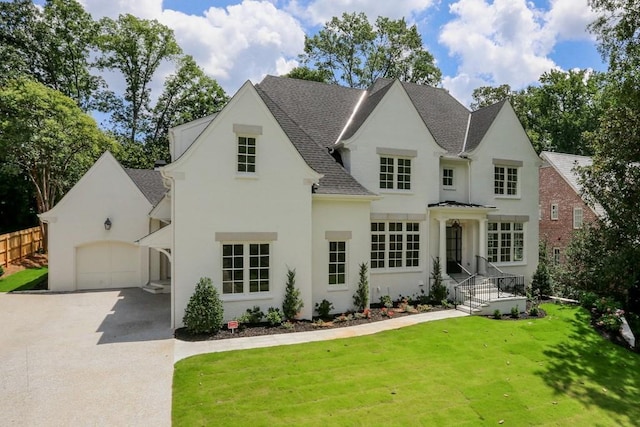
(232, 325)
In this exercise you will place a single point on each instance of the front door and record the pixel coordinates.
(454, 249)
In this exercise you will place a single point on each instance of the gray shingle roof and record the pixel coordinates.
(149, 182)
(444, 116)
(314, 115)
(481, 120)
(336, 179)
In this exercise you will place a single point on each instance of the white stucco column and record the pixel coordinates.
(442, 250)
(482, 244)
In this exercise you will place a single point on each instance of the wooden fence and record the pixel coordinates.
(19, 244)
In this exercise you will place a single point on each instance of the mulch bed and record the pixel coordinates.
(254, 330)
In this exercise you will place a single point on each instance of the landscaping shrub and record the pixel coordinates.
(438, 289)
(253, 315)
(361, 297)
(541, 283)
(1, 271)
(204, 311)
(386, 301)
(324, 308)
(515, 312)
(274, 316)
(533, 311)
(497, 314)
(292, 303)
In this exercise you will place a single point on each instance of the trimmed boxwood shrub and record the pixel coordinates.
(204, 311)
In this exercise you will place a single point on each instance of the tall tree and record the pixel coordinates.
(188, 94)
(355, 53)
(564, 110)
(136, 48)
(48, 137)
(559, 113)
(51, 45)
(484, 96)
(306, 73)
(611, 250)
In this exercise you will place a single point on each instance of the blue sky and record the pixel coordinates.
(475, 42)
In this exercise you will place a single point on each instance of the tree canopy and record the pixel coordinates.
(351, 51)
(45, 134)
(558, 114)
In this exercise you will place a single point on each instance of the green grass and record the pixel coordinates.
(23, 280)
(458, 372)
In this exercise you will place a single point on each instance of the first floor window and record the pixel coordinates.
(246, 154)
(578, 215)
(378, 244)
(337, 263)
(554, 211)
(556, 256)
(245, 268)
(395, 244)
(505, 241)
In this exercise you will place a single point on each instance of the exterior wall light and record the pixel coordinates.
(107, 224)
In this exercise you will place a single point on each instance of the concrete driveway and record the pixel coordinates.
(86, 359)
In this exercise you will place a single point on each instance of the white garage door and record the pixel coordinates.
(105, 265)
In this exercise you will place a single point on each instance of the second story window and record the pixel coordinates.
(505, 181)
(447, 178)
(554, 211)
(578, 216)
(395, 173)
(246, 154)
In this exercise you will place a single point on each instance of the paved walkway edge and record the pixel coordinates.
(184, 349)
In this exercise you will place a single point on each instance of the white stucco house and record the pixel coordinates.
(320, 178)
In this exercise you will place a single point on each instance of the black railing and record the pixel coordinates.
(486, 268)
(477, 291)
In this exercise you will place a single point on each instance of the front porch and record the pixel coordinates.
(484, 295)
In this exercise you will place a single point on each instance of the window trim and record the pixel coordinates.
(512, 239)
(392, 164)
(554, 211)
(345, 263)
(506, 169)
(246, 271)
(577, 226)
(451, 186)
(406, 245)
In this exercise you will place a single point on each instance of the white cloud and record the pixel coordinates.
(232, 44)
(508, 41)
(146, 9)
(317, 12)
(568, 19)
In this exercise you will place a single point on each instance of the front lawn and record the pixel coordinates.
(465, 371)
(23, 280)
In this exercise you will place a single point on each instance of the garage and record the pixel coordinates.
(104, 265)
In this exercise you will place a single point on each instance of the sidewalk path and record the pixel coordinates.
(184, 349)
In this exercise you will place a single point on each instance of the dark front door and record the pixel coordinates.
(454, 249)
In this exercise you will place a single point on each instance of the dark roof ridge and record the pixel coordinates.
(480, 122)
(149, 182)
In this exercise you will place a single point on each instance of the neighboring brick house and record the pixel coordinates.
(562, 209)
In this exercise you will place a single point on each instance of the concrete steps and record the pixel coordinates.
(158, 287)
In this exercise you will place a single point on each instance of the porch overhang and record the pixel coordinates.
(159, 239)
(460, 210)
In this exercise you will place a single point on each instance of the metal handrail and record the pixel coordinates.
(464, 269)
(477, 294)
(489, 266)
